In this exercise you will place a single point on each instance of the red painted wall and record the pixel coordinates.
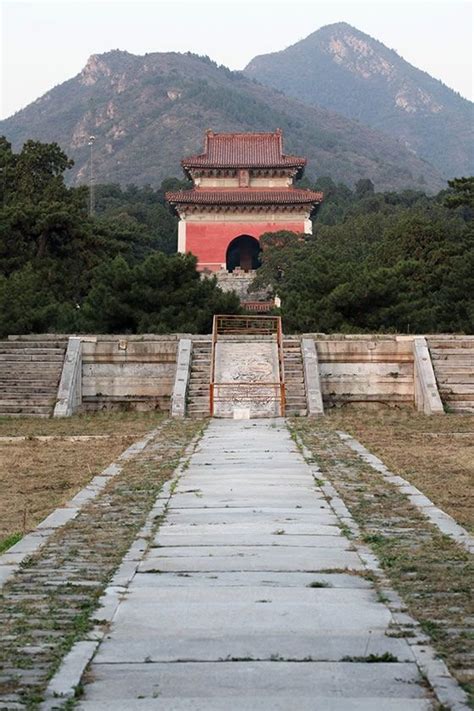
(208, 241)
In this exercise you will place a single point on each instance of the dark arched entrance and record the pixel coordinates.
(243, 252)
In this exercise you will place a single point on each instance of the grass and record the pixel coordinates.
(435, 454)
(38, 475)
(92, 423)
(320, 584)
(49, 604)
(384, 658)
(10, 541)
(433, 575)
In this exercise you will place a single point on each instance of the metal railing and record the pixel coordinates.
(257, 306)
(248, 326)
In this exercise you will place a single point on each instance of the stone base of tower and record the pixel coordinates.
(240, 282)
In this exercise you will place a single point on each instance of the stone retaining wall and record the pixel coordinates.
(120, 371)
(139, 372)
(365, 369)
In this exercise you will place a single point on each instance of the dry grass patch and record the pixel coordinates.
(49, 604)
(436, 454)
(433, 574)
(92, 423)
(37, 476)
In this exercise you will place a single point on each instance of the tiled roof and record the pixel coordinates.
(245, 196)
(243, 150)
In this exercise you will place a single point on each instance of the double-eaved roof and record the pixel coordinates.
(246, 152)
(243, 150)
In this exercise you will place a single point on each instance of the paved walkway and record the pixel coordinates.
(252, 598)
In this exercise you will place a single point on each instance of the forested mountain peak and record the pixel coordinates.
(343, 69)
(147, 112)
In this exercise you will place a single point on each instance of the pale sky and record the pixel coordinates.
(45, 43)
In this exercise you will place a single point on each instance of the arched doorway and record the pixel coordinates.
(243, 252)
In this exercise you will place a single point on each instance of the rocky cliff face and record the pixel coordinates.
(347, 71)
(146, 113)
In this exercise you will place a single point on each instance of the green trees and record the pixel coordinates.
(397, 269)
(62, 271)
(377, 261)
(461, 194)
(160, 294)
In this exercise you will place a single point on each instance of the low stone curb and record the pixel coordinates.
(445, 687)
(66, 681)
(30, 544)
(445, 523)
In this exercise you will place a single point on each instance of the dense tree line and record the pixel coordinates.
(62, 270)
(376, 262)
(393, 262)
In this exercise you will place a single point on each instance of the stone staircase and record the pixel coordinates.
(453, 364)
(294, 378)
(198, 389)
(30, 371)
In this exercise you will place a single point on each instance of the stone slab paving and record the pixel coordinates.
(250, 597)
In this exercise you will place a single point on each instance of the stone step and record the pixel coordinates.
(20, 409)
(461, 406)
(452, 397)
(455, 377)
(458, 388)
(446, 366)
(451, 354)
(436, 344)
(57, 343)
(28, 373)
(18, 350)
(25, 403)
(6, 358)
(20, 392)
(28, 380)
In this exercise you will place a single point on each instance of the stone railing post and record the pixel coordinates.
(427, 398)
(311, 377)
(69, 397)
(181, 381)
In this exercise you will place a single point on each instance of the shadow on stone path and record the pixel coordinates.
(251, 598)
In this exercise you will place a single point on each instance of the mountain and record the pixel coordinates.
(344, 70)
(148, 112)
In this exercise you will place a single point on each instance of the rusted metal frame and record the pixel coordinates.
(222, 324)
(252, 382)
(250, 398)
(281, 367)
(213, 360)
(235, 324)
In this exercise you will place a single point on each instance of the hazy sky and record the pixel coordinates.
(45, 43)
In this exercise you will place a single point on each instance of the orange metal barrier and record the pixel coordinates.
(248, 326)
